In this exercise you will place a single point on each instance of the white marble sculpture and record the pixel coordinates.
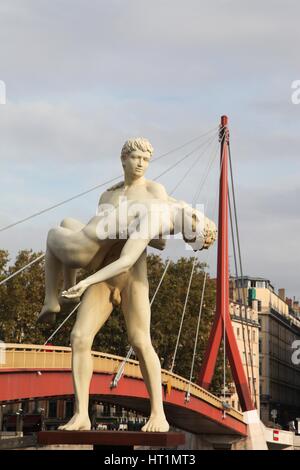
(131, 215)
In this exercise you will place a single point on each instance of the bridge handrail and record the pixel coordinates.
(31, 356)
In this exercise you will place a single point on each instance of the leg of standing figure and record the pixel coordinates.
(93, 313)
(136, 309)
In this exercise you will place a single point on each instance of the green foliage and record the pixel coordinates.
(167, 312)
(21, 300)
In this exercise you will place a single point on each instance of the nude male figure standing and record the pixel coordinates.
(131, 289)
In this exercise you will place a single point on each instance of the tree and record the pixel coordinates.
(167, 313)
(4, 260)
(21, 299)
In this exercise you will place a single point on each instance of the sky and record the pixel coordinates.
(82, 77)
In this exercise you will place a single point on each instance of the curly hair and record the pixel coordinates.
(138, 143)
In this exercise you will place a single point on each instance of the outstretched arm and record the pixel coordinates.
(130, 253)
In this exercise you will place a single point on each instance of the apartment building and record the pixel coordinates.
(279, 321)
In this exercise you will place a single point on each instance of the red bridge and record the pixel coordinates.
(36, 372)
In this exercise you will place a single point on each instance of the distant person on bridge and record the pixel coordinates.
(119, 255)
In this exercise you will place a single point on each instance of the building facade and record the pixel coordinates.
(34, 415)
(246, 328)
(279, 329)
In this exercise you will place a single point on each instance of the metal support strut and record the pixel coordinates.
(222, 300)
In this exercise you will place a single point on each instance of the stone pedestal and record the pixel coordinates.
(112, 440)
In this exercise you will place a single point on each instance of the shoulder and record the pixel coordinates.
(157, 189)
(118, 185)
(105, 197)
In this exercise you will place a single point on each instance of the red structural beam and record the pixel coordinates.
(222, 296)
(21, 384)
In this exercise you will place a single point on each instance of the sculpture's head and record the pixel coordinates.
(198, 231)
(135, 156)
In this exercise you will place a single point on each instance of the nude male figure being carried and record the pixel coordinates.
(130, 287)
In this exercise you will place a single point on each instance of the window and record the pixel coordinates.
(260, 284)
(119, 410)
(69, 408)
(238, 332)
(25, 406)
(52, 409)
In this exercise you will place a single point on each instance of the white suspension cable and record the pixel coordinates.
(74, 310)
(58, 204)
(208, 169)
(186, 144)
(241, 298)
(195, 162)
(120, 371)
(183, 314)
(209, 141)
(62, 324)
(54, 206)
(192, 272)
(22, 269)
(188, 394)
(182, 159)
(160, 282)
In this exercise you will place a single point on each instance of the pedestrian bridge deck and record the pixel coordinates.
(36, 371)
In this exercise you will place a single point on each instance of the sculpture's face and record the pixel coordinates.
(136, 163)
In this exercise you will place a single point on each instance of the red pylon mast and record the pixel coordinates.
(222, 296)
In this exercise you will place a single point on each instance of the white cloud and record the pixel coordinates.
(81, 77)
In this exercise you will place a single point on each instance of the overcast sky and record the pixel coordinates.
(81, 77)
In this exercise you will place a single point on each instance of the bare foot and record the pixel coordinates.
(77, 423)
(156, 424)
(48, 313)
(72, 420)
